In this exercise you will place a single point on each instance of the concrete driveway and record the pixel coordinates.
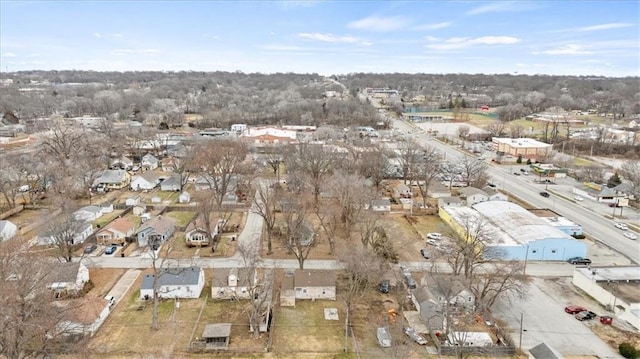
(544, 320)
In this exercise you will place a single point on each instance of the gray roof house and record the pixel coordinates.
(173, 183)
(544, 351)
(381, 205)
(67, 278)
(495, 195)
(8, 230)
(149, 162)
(438, 190)
(174, 283)
(88, 213)
(472, 195)
(449, 202)
(430, 310)
(216, 336)
(155, 231)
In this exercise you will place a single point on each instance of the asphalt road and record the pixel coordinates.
(544, 320)
(591, 218)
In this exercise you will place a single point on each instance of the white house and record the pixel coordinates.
(314, 284)
(182, 283)
(67, 277)
(495, 195)
(172, 183)
(8, 230)
(146, 181)
(470, 339)
(449, 202)
(82, 316)
(106, 208)
(402, 191)
(232, 283)
(149, 162)
(132, 201)
(438, 190)
(381, 205)
(79, 230)
(123, 163)
(88, 213)
(472, 195)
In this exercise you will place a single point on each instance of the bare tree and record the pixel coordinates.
(260, 291)
(496, 129)
(427, 171)
(299, 235)
(409, 154)
(499, 280)
(516, 131)
(274, 160)
(64, 232)
(265, 204)
(474, 172)
(463, 133)
(362, 270)
(468, 252)
(219, 162)
(313, 162)
(374, 165)
(367, 224)
(630, 171)
(592, 173)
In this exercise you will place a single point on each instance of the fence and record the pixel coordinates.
(11, 212)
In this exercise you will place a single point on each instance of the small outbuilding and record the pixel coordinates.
(184, 197)
(216, 336)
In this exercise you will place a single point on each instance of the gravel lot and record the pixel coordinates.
(544, 320)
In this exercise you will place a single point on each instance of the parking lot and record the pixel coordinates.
(544, 320)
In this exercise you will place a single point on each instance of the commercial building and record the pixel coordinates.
(512, 232)
(526, 148)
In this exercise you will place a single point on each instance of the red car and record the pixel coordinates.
(574, 309)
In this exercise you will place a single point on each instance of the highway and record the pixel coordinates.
(591, 218)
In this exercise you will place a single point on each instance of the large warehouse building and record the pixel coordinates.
(512, 232)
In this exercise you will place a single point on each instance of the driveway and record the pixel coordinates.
(122, 286)
(544, 320)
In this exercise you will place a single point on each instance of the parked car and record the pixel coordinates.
(89, 248)
(585, 315)
(405, 271)
(544, 194)
(622, 226)
(433, 242)
(414, 336)
(630, 235)
(579, 260)
(516, 173)
(111, 300)
(110, 250)
(614, 205)
(574, 309)
(384, 286)
(411, 283)
(578, 199)
(491, 185)
(434, 235)
(425, 253)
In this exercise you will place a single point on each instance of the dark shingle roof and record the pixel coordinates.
(173, 276)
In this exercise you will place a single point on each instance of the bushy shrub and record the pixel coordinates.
(628, 351)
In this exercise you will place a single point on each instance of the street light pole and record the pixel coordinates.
(520, 342)
(526, 256)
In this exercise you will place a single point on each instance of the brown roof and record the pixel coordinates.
(314, 278)
(218, 330)
(121, 224)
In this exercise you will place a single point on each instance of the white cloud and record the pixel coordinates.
(281, 48)
(380, 24)
(501, 6)
(328, 37)
(117, 35)
(614, 25)
(9, 55)
(463, 42)
(135, 51)
(435, 26)
(97, 35)
(568, 49)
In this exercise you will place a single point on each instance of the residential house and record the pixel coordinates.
(82, 316)
(449, 202)
(88, 213)
(133, 200)
(114, 179)
(599, 193)
(8, 230)
(381, 205)
(402, 191)
(116, 232)
(472, 195)
(122, 163)
(184, 197)
(173, 183)
(183, 283)
(67, 278)
(155, 232)
(145, 181)
(305, 235)
(149, 162)
(230, 199)
(232, 283)
(106, 208)
(139, 209)
(438, 190)
(429, 308)
(314, 284)
(168, 164)
(216, 336)
(453, 292)
(198, 235)
(495, 195)
(545, 351)
(79, 231)
(203, 183)
(470, 339)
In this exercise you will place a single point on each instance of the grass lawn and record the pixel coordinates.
(182, 218)
(304, 329)
(106, 218)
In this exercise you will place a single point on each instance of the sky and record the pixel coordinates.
(325, 37)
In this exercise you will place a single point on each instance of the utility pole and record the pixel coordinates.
(520, 342)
